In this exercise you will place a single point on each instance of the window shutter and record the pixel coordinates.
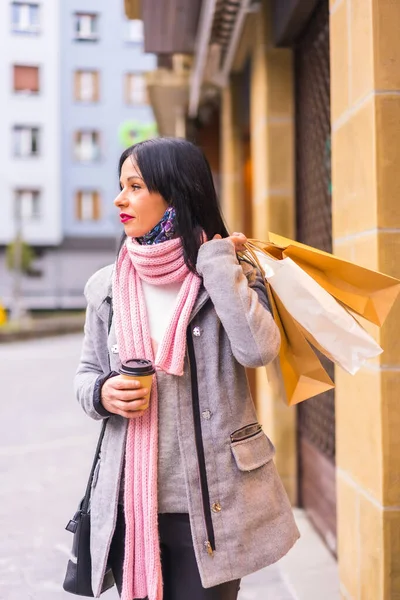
(95, 145)
(26, 79)
(35, 140)
(96, 206)
(127, 87)
(96, 85)
(77, 85)
(76, 145)
(78, 201)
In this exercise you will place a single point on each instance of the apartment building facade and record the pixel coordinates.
(72, 91)
(30, 174)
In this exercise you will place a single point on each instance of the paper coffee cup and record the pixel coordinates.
(141, 370)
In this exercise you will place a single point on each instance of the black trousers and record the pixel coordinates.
(179, 567)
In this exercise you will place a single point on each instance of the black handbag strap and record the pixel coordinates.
(86, 498)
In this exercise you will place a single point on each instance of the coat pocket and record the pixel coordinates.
(253, 452)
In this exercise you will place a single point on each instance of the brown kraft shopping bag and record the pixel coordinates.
(366, 292)
(297, 373)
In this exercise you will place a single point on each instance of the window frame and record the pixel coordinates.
(93, 37)
(31, 128)
(129, 76)
(96, 205)
(35, 195)
(31, 29)
(26, 92)
(96, 157)
(77, 85)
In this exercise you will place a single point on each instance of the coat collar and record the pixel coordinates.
(202, 297)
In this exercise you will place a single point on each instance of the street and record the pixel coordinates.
(46, 447)
(46, 443)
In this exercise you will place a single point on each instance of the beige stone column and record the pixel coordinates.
(272, 150)
(365, 75)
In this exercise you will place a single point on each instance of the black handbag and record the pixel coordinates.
(78, 578)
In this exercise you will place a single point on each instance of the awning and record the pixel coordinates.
(218, 36)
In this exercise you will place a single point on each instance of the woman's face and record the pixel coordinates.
(140, 210)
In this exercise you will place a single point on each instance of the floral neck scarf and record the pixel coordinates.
(163, 231)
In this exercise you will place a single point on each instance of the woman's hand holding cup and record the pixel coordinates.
(124, 397)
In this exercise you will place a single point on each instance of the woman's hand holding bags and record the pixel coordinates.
(239, 240)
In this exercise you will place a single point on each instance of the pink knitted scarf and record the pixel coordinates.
(158, 264)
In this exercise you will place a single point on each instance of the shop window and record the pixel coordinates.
(25, 17)
(86, 27)
(28, 205)
(87, 205)
(87, 146)
(135, 89)
(26, 79)
(26, 141)
(86, 86)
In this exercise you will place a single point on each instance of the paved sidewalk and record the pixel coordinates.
(307, 572)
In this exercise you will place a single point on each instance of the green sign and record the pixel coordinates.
(132, 132)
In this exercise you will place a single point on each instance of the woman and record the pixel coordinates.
(186, 499)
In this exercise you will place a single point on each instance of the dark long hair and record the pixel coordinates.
(179, 171)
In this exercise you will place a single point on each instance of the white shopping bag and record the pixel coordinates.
(326, 323)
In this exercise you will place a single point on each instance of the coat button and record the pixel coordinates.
(114, 349)
(216, 507)
(196, 331)
(206, 414)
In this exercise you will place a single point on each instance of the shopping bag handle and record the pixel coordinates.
(250, 255)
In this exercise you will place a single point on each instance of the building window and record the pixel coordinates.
(134, 32)
(87, 146)
(28, 205)
(25, 17)
(88, 205)
(86, 27)
(135, 89)
(26, 79)
(26, 141)
(86, 86)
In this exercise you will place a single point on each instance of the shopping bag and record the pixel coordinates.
(325, 322)
(297, 373)
(366, 292)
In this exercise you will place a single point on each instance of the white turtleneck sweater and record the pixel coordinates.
(160, 303)
(172, 498)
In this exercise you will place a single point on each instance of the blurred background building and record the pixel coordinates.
(72, 96)
(30, 125)
(297, 106)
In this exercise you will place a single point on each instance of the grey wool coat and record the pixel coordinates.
(240, 516)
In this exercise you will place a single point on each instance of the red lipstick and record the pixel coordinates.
(125, 218)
